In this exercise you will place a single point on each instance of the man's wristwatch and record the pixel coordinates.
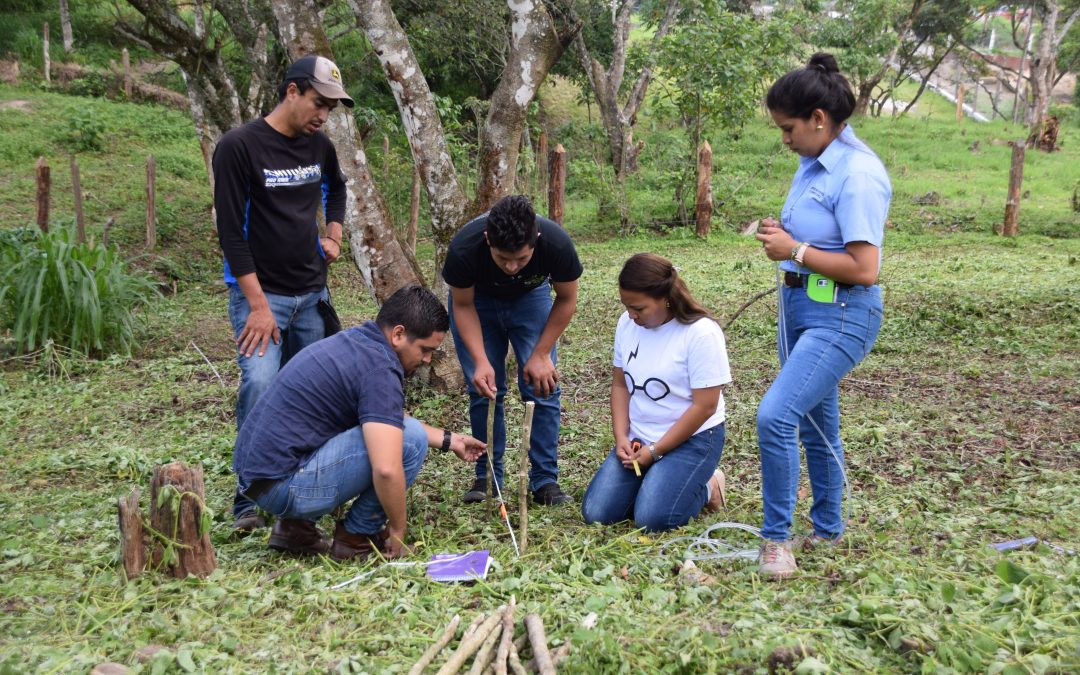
(445, 440)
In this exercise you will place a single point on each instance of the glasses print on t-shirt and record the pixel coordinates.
(653, 387)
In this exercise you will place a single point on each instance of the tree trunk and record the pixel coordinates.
(535, 45)
(1044, 65)
(605, 84)
(180, 521)
(65, 27)
(383, 262)
(420, 119)
(703, 205)
(865, 88)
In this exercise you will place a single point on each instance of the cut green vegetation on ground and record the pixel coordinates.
(962, 428)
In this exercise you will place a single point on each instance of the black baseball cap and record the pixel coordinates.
(323, 75)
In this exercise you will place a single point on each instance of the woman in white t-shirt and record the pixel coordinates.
(670, 363)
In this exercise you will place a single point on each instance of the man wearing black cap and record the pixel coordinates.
(271, 178)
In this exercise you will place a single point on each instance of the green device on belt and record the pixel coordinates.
(820, 288)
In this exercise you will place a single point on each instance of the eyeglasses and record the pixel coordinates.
(654, 387)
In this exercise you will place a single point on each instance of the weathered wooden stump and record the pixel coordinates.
(178, 536)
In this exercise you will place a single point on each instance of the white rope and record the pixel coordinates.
(415, 563)
(704, 547)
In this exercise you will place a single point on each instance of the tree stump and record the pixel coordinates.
(178, 535)
(178, 512)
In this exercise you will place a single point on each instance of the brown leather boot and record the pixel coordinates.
(349, 546)
(298, 536)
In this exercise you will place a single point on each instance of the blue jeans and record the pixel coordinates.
(520, 323)
(337, 472)
(669, 493)
(826, 340)
(300, 324)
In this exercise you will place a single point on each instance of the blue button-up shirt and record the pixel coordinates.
(840, 196)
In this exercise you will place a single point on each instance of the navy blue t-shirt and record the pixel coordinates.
(331, 386)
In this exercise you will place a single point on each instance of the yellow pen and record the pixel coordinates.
(635, 445)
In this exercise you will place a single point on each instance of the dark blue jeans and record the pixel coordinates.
(517, 322)
(826, 340)
(337, 472)
(300, 324)
(669, 493)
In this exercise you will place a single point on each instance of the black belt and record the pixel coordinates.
(258, 487)
(796, 280)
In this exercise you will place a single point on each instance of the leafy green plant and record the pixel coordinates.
(85, 131)
(81, 296)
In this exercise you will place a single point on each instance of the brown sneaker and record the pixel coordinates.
(808, 542)
(246, 523)
(293, 535)
(776, 560)
(349, 546)
(717, 492)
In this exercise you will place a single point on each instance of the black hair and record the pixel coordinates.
(819, 84)
(302, 85)
(657, 278)
(417, 309)
(511, 224)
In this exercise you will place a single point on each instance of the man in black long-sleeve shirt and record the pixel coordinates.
(271, 177)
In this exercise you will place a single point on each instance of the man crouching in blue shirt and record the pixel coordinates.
(332, 427)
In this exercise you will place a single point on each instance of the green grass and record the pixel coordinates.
(961, 429)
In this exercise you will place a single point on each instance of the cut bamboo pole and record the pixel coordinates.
(125, 59)
(45, 53)
(470, 644)
(474, 625)
(507, 637)
(535, 626)
(151, 203)
(491, 449)
(523, 477)
(436, 647)
(487, 650)
(515, 661)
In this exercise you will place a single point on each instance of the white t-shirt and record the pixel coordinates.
(661, 365)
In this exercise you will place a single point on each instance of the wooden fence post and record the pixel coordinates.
(151, 197)
(1016, 181)
(414, 210)
(541, 160)
(76, 188)
(703, 205)
(557, 183)
(43, 181)
(45, 54)
(126, 59)
(960, 102)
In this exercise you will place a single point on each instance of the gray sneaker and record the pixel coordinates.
(776, 560)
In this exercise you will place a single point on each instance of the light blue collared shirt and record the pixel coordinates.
(838, 197)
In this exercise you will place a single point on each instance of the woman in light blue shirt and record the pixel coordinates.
(828, 243)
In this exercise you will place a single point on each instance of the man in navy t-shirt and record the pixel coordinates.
(501, 268)
(332, 427)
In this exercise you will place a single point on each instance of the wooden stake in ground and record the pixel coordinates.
(470, 643)
(132, 536)
(45, 53)
(125, 59)
(1016, 182)
(76, 189)
(960, 102)
(491, 445)
(557, 183)
(41, 194)
(180, 521)
(151, 205)
(523, 477)
(703, 206)
(436, 646)
(535, 626)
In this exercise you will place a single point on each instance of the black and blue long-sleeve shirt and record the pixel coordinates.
(268, 188)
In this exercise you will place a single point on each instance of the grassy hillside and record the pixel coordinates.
(962, 428)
